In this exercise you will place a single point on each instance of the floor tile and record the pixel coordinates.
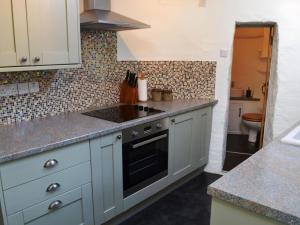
(187, 205)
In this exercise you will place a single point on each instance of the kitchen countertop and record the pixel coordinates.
(268, 183)
(39, 135)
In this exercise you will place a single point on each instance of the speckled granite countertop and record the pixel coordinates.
(40, 135)
(268, 183)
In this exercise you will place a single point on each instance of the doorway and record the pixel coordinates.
(251, 66)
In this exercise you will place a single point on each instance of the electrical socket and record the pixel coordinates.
(34, 87)
(23, 88)
(8, 90)
(224, 53)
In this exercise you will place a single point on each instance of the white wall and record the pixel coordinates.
(185, 30)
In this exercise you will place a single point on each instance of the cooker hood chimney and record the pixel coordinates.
(98, 15)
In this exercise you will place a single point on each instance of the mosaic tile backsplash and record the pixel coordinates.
(97, 82)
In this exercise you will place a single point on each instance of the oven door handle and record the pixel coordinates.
(149, 141)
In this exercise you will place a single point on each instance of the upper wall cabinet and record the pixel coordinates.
(14, 39)
(39, 34)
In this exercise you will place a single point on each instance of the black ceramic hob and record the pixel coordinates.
(123, 113)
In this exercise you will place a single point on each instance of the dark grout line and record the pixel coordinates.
(239, 153)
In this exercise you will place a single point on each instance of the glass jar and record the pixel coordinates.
(157, 95)
(168, 95)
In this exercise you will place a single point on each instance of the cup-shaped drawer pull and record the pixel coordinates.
(55, 205)
(53, 187)
(50, 163)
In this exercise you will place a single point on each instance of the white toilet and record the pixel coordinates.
(253, 122)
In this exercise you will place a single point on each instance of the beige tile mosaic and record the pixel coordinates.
(97, 82)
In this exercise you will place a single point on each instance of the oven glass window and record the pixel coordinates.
(144, 162)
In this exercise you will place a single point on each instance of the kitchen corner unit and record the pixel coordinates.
(39, 34)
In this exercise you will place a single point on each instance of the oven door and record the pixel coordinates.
(144, 162)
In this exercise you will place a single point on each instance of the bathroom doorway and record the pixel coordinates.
(251, 67)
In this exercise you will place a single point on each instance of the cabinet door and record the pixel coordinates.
(107, 177)
(201, 136)
(181, 145)
(235, 118)
(14, 38)
(74, 208)
(53, 27)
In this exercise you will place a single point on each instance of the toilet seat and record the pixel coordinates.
(253, 117)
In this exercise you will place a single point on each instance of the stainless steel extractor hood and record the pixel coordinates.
(98, 15)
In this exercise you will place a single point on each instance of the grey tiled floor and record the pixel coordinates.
(187, 205)
(238, 149)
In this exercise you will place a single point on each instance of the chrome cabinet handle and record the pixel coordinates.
(55, 205)
(23, 59)
(53, 187)
(50, 163)
(119, 137)
(37, 59)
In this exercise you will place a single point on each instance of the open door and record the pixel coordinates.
(267, 54)
(251, 67)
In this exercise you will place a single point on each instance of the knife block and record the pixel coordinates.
(123, 90)
(128, 94)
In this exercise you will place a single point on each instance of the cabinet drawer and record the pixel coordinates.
(69, 211)
(31, 168)
(26, 195)
(43, 208)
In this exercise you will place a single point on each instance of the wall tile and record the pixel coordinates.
(97, 82)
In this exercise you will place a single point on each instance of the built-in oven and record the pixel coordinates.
(145, 155)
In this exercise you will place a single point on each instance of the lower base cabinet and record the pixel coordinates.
(100, 197)
(189, 142)
(224, 213)
(180, 145)
(107, 177)
(71, 208)
(201, 137)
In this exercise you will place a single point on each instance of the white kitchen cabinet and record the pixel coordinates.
(39, 34)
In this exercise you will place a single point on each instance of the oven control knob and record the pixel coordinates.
(134, 134)
(158, 126)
